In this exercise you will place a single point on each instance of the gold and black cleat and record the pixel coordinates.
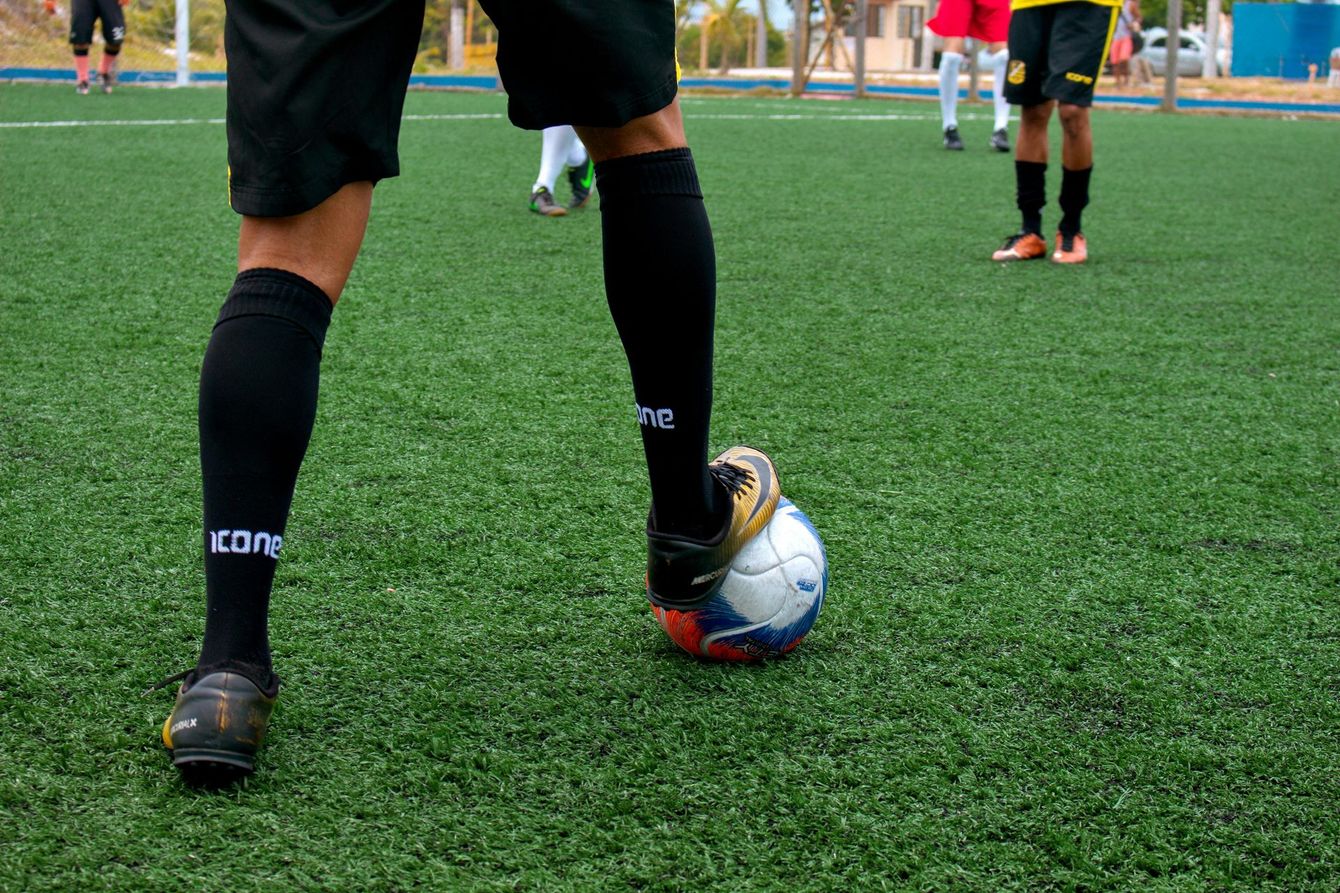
(217, 726)
(683, 573)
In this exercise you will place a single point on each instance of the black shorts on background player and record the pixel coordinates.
(85, 13)
(1057, 51)
(307, 117)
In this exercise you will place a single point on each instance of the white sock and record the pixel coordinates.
(998, 62)
(557, 144)
(949, 66)
(577, 153)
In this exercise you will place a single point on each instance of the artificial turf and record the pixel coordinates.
(1081, 523)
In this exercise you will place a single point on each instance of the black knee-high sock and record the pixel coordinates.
(1074, 198)
(258, 392)
(1031, 180)
(660, 279)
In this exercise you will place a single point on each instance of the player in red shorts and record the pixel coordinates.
(982, 20)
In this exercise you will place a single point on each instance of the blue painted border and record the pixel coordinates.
(490, 82)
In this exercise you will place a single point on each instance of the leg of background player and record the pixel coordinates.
(998, 57)
(81, 67)
(258, 390)
(1076, 167)
(1030, 163)
(1030, 174)
(555, 146)
(951, 60)
(581, 173)
(660, 280)
(107, 66)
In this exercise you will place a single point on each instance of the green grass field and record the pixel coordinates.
(1082, 523)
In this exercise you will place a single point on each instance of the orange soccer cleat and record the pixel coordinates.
(1070, 249)
(1022, 246)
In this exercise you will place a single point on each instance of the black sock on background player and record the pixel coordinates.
(1031, 179)
(660, 280)
(1074, 199)
(258, 391)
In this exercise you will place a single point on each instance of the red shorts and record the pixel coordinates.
(987, 20)
(1121, 50)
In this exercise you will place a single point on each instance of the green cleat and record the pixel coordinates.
(582, 179)
(542, 202)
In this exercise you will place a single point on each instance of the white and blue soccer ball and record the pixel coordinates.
(769, 600)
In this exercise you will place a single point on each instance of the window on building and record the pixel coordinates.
(911, 21)
(874, 24)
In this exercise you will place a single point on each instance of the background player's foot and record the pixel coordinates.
(1000, 140)
(1022, 246)
(542, 202)
(1070, 249)
(582, 178)
(81, 88)
(107, 79)
(682, 572)
(953, 141)
(217, 726)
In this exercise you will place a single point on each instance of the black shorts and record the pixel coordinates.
(83, 15)
(1057, 51)
(316, 88)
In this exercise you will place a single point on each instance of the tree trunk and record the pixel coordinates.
(761, 40)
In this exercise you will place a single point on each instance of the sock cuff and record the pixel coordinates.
(667, 172)
(1024, 166)
(270, 292)
(956, 58)
(1080, 172)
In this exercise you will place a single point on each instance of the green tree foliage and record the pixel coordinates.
(727, 46)
(1155, 12)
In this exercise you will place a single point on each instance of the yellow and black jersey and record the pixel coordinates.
(1025, 4)
(1057, 50)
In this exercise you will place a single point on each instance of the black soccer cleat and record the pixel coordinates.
(581, 179)
(81, 88)
(107, 79)
(542, 202)
(683, 573)
(217, 726)
(953, 141)
(1000, 140)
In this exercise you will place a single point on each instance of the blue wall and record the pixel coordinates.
(1280, 39)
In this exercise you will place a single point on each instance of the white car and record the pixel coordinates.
(1190, 53)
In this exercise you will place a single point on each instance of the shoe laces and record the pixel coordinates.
(732, 477)
(159, 686)
(178, 677)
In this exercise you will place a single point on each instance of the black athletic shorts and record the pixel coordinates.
(83, 15)
(1057, 51)
(316, 88)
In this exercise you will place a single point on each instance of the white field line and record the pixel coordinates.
(170, 122)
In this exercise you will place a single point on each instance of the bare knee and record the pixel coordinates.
(651, 133)
(319, 245)
(1036, 115)
(1074, 119)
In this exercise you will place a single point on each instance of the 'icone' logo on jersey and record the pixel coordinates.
(1017, 72)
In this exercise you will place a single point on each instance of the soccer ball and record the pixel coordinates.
(769, 600)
